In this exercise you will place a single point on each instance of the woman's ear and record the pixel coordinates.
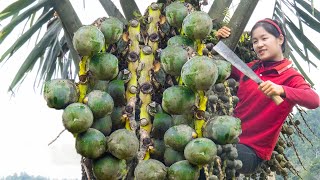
(281, 39)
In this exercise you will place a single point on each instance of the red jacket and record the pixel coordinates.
(261, 119)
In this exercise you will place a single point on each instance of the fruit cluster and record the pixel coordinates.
(152, 100)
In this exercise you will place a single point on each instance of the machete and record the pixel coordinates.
(230, 56)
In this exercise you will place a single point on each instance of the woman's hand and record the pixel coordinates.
(271, 89)
(223, 32)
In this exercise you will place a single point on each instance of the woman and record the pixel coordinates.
(261, 119)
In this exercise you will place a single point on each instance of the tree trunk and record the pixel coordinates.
(217, 9)
(239, 21)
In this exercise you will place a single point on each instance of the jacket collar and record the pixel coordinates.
(275, 66)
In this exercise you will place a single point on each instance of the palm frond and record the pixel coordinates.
(15, 8)
(308, 20)
(27, 35)
(313, 11)
(303, 38)
(8, 28)
(112, 10)
(130, 9)
(37, 52)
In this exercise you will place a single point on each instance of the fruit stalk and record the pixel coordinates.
(146, 87)
(132, 86)
(83, 81)
(199, 122)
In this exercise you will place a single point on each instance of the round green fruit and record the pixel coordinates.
(199, 73)
(59, 93)
(178, 100)
(183, 170)
(116, 116)
(161, 123)
(180, 41)
(158, 149)
(172, 59)
(171, 156)
(91, 143)
(187, 119)
(108, 168)
(123, 144)
(103, 124)
(197, 25)
(112, 29)
(175, 13)
(150, 169)
(117, 91)
(88, 40)
(100, 103)
(177, 137)
(200, 151)
(224, 70)
(77, 118)
(104, 66)
(222, 129)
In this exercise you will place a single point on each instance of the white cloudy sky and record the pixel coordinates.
(28, 125)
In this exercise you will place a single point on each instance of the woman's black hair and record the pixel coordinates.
(270, 28)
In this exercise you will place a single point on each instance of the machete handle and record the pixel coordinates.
(277, 99)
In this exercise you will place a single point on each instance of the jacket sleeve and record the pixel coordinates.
(235, 73)
(298, 91)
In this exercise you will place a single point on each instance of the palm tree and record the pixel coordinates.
(56, 54)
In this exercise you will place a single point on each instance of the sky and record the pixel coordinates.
(28, 125)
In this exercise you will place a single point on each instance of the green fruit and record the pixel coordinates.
(116, 115)
(158, 149)
(104, 66)
(161, 123)
(108, 168)
(197, 25)
(172, 59)
(178, 100)
(199, 73)
(117, 92)
(103, 124)
(200, 151)
(95, 84)
(150, 169)
(180, 41)
(123, 144)
(59, 93)
(171, 156)
(222, 129)
(224, 70)
(187, 119)
(183, 170)
(77, 118)
(88, 40)
(175, 13)
(91, 144)
(177, 137)
(112, 29)
(100, 103)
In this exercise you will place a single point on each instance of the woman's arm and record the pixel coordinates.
(296, 90)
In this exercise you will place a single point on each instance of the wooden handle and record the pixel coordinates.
(277, 99)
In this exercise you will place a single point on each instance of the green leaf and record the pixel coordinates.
(303, 39)
(309, 8)
(27, 35)
(129, 7)
(308, 20)
(37, 52)
(14, 8)
(112, 10)
(301, 69)
(8, 29)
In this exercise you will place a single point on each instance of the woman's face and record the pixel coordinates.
(266, 45)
